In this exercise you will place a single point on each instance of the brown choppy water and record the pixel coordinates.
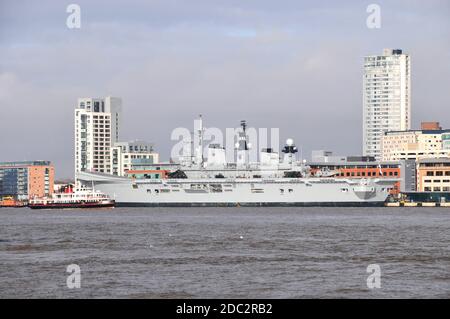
(225, 252)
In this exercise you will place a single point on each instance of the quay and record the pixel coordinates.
(416, 204)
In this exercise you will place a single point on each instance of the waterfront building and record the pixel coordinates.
(431, 141)
(97, 123)
(25, 180)
(326, 156)
(446, 141)
(147, 174)
(386, 98)
(151, 171)
(408, 176)
(134, 155)
(433, 175)
(357, 167)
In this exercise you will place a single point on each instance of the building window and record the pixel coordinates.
(96, 107)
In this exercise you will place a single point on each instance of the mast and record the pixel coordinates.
(242, 145)
(244, 127)
(289, 151)
(198, 141)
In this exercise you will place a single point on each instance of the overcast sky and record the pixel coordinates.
(295, 65)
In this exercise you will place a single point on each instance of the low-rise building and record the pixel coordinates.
(148, 174)
(446, 141)
(433, 175)
(135, 155)
(408, 176)
(358, 167)
(152, 171)
(326, 156)
(431, 141)
(25, 180)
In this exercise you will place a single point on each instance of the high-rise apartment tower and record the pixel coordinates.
(386, 98)
(97, 123)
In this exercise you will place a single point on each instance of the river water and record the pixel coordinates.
(225, 252)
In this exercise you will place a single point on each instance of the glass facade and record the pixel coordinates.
(24, 179)
(14, 182)
(446, 141)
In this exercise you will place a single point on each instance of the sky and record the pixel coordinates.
(293, 65)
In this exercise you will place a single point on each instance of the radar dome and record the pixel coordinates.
(289, 142)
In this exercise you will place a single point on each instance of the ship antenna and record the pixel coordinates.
(244, 127)
(201, 139)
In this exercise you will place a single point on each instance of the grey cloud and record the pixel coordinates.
(296, 66)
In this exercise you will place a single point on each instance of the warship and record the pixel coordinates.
(212, 181)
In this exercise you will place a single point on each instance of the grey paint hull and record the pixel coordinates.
(329, 192)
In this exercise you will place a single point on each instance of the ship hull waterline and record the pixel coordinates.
(72, 206)
(259, 204)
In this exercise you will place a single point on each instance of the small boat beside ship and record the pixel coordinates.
(11, 202)
(78, 198)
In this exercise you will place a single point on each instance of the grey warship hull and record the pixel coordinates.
(260, 192)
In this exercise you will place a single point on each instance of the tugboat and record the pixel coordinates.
(79, 198)
(9, 201)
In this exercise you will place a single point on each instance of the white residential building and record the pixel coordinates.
(135, 155)
(97, 123)
(386, 98)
